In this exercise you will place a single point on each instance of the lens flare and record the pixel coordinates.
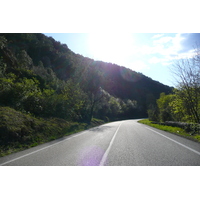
(91, 156)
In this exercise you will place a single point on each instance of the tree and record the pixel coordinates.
(24, 60)
(94, 98)
(89, 79)
(153, 113)
(178, 108)
(165, 109)
(2, 42)
(2, 68)
(187, 74)
(114, 107)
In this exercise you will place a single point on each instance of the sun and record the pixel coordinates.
(110, 47)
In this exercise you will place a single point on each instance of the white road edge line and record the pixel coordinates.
(175, 141)
(1, 164)
(109, 147)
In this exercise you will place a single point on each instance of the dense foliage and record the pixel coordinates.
(19, 131)
(41, 76)
(174, 107)
(184, 104)
(47, 91)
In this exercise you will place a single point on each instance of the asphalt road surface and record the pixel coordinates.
(121, 143)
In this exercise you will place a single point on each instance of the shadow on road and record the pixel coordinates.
(100, 129)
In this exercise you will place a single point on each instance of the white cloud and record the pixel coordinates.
(162, 40)
(163, 60)
(137, 65)
(185, 55)
(167, 63)
(163, 49)
(154, 60)
(157, 36)
(168, 45)
(145, 50)
(166, 49)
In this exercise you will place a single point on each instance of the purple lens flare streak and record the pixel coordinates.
(91, 156)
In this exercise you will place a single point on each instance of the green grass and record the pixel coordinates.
(174, 130)
(19, 131)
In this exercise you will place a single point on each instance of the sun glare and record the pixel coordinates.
(110, 47)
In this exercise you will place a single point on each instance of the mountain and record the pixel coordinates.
(41, 76)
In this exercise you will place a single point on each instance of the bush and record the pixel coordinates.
(15, 126)
(19, 131)
(191, 128)
(106, 119)
(153, 115)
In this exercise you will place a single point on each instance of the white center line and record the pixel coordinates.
(109, 147)
(175, 142)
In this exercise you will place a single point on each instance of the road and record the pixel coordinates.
(121, 143)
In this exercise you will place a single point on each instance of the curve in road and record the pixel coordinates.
(122, 143)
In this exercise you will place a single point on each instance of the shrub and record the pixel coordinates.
(15, 126)
(191, 128)
(19, 131)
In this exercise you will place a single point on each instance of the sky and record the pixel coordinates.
(152, 54)
(110, 25)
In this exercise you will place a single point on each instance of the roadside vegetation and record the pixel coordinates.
(179, 112)
(47, 91)
(184, 132)
(19, 131)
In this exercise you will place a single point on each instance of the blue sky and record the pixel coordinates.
(149, 53)
(152, 53)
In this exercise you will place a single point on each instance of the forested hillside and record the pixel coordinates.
(47, 91)
(41, 76)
